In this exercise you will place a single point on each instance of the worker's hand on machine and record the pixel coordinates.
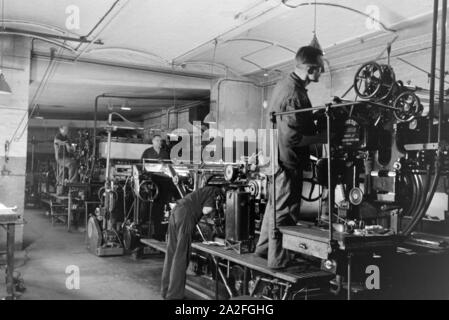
(444, 145)
(71, 147)
(208, 210)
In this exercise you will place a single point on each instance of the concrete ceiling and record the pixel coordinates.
(171, 48)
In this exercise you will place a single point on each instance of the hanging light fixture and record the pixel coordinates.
(211, 118)
(315, 43)
(4, 86)
(125, 106)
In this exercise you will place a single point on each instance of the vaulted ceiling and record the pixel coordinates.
(170, 49)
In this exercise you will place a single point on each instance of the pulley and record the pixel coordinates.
(374, 81)
(408, 106)
(94, 234)
(253, 188)
(231, 173)
(148, 191)
(356, 196)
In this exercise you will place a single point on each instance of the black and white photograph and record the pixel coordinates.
(224, 157)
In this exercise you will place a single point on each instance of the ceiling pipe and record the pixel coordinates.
(56, 43)
(99, 22)
(130, 67)
(263, 41)
(38, 25)
(103, 28)
(48, 35)
(202, 62)
(309, 3)
(147, 55)
(233, 29)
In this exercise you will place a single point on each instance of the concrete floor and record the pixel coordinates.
(48, 252)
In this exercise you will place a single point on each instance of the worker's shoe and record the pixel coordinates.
(288, 264)
(260, 255)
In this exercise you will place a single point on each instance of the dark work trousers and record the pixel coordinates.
(288, 202)
(72, 165)
(180, 230)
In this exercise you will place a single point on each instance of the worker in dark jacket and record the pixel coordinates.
(156, 151)
(185, 215)
(296, 132)
(64, 154)
(156, 212)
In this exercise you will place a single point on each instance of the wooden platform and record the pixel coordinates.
(155, 244)
(294, 275)
(53, 197)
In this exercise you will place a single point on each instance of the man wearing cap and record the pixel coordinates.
(296, 132)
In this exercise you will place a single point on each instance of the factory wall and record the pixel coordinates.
(14, 109)
(237, 105)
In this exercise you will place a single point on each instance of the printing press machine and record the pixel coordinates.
(369, 206)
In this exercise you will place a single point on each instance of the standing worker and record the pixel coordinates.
(296, 132)
(156, 212)
(183, 220)
(156, 151)
(64, 154)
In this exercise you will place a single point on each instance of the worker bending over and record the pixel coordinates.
(183, 220)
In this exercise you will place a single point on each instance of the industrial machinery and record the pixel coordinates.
(375, 178)
(378, 187)
(240, 213)
(146, 189)
(103, 229)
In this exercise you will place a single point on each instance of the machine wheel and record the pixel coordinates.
(130, 238)
(408, 107)
(313, 185)
(374, 81)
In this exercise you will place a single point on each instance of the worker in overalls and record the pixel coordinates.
(296, 132)
(183, 220)
(64, 154)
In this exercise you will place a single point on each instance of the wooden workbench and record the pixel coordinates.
(9, 218)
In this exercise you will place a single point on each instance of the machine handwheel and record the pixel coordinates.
(310, 197)
(148, 191)
(408, 107)
(374, 81)
(313, 182)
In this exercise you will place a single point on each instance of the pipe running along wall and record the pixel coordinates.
(430, 188)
